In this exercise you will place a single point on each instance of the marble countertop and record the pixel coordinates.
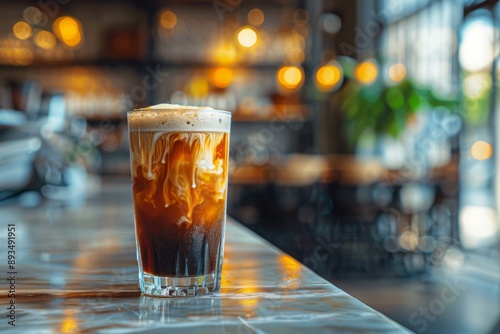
(75, 272)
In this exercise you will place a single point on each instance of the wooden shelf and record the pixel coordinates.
(349, 170)
(280, 113)
(137, 64)
(272, 118)
(298, 113)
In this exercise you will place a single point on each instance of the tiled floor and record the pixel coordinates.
(443, 302)
(457, 302)
(465, 301)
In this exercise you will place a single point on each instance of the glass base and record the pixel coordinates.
(158, 286)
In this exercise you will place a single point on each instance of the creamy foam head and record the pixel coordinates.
(176, 118)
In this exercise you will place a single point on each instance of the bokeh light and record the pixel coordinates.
(222, 77)
(45, 39)
(478, 226)
(294, 44)
(366, 72)
(408, 240)
(15, 52)
(481, 150)
(68, 30)
(328, 76)
(479, 46)
(256, 17)
(397, 72)
(198, 87)
(225, 53)
(290, 77)
(33, 15)
(22, 30)
(330, 23)
(168, 19)
(247, 37)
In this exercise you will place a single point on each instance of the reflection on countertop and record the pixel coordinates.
(77, 273)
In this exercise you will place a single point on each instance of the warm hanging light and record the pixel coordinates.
(366, 72)
(45, 39)
(68, 30)
(290, 77)
(224, 53)
(329, 76)
(22, 30)
(247, 37)
(222, 77)
(481, 150)
(198, 87)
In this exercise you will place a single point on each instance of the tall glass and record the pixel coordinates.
(179, 158)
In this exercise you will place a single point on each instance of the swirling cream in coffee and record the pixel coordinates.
(179, 160)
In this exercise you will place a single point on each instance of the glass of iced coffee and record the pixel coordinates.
(179, 158)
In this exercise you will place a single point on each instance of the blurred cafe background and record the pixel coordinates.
(363, 138)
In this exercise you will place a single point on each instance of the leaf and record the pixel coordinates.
(386, 109)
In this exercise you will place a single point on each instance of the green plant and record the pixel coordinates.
(383, 108)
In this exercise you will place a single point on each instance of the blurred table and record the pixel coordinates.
(76, 272)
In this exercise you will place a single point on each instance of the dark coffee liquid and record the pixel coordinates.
(179, 187)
